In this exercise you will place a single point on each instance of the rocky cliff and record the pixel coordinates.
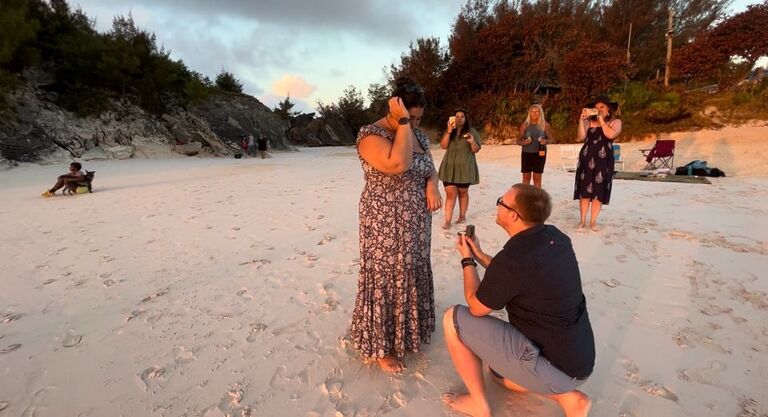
(35, 129)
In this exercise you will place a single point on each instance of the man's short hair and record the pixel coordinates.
(77, 165)
(533, 203)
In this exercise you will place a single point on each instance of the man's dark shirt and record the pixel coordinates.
(536, 276)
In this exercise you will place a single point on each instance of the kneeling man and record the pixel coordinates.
(547, 347)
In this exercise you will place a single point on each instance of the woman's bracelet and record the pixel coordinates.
(465, 262)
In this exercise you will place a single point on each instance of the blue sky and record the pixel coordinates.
(310, 49)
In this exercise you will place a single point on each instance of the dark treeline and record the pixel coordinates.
(501, 56)
(87, 69)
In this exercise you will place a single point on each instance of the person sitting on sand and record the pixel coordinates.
(547, 347)
(75, 174)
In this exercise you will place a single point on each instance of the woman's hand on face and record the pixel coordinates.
(397, 108)
(434, 198)
(600, 118)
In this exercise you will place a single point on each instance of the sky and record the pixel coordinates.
(308, 49)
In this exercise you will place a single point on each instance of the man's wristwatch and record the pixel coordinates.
(465, 262)
(404, 120)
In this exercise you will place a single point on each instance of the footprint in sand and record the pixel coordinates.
(109, 282)
(10, 348)
(183, 355)
(257, 263)
(150, 374)
(632, 375)
(49, 281)
(4, 405)
(11, 317)
(256, 328)
(326, 239)
(159, 293)
(71, 340)
(621, 258)
(134, 314)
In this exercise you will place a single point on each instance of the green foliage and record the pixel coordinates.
(92, 69)
(666, 109)
(226, 81)
(285, 110)
(378, 96)
(634, 96)
(349, 109)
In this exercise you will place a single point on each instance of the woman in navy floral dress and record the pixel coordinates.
(594, 174)
(395, 304)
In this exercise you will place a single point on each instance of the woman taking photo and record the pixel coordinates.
(458, 170)
(535, 133)
(598, 128)
(395, 306)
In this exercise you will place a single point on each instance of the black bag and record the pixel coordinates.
(699, 168)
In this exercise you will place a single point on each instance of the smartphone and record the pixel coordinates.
(470, 231)
(452, 121)
(591, 112)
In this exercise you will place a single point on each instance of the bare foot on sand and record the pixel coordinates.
(574, 403)
(467, 405)
(391, 364)
(594, 227)
(581, 227)
(461, 220)
(447, 225)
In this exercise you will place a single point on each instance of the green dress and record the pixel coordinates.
(459, 165)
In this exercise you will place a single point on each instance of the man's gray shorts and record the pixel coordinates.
(508, 352)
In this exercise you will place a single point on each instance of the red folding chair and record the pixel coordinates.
(662, 155)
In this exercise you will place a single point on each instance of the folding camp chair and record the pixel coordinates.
(662, 155)
(617, 158)
(569, 157)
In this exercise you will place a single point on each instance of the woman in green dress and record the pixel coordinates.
(458, 169)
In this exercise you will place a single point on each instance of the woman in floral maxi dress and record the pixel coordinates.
(594, 173)
(394, 308)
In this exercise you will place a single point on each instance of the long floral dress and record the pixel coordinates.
(594, 173)
(395, 306)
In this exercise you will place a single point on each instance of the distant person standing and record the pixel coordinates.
(262, 146)
(458, 170)
(535, 133)
(244, 144)
(251, 146)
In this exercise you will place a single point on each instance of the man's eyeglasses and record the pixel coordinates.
(500, 202)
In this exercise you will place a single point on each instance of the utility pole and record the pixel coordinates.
(629, 41)
(670, 32)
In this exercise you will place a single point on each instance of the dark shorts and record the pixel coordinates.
(456, 184)
(510, 354)
(532, 162)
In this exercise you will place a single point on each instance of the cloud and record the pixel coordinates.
(292, 85)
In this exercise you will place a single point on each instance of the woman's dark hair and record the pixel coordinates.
(465, 128)
(77, 165)
(411, 93)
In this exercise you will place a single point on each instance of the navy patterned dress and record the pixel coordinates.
(395, 304)
(594, 174)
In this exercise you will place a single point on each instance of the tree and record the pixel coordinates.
(350, 109)
(226, 81)
(743, 36)
(284, 109)
(378, 98)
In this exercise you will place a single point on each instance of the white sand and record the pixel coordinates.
(212, 287)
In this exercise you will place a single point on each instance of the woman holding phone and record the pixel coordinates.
(598, 127)
(535, 133)
(458, 170)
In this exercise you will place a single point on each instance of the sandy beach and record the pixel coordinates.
(222, 287)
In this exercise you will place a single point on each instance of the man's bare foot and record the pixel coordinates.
(391, 364)
(464, 403)
(594, 227)
(461, 220)
(447, 225)
(575, 403)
